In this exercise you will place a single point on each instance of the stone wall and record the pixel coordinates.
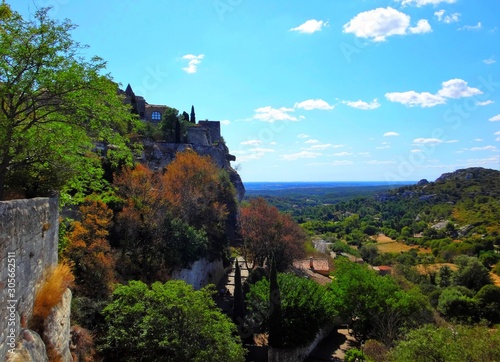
(201, 273)
(28, 247)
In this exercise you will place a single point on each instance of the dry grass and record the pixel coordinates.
(495, 278)
(50, 294)
(387, 245)
(434, 268)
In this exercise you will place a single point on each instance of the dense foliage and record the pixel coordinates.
(268, 234)
(168, 322)
(376, 305)
(456, 343)
(173, 219)
(306, 307)
(54, 106)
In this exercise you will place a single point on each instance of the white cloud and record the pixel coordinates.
(485, 103)
(457, 88)
(225, 122)
(412, 99)
(302, 135)
(485, 148)
(418, 150)
(364, 153)
(311, 104)
(439, 14)
(194, 61)
(270, 114)
(391, 134)
(478, 139)
(338, 146)
(252, 142)
(494, 161)
(497, 134)
(495, 118)
(252, 154)
(453, 88)
(363, 105)
(423, 26)
(424, 141)
(420, 3)
(312, 141)
(448, 19)
(453, 18)
(299, 155)
(310, 26)
(471, 27)
(341, 154)
(489, 61)
(320, 147)
(380, 23)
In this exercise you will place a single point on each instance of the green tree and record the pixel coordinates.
(306, 307)
(168, 322)
(53, 104)
(448, 344)
(471, 273)
(488, 300)
(378, 307)
(444, 276)
(458, 304)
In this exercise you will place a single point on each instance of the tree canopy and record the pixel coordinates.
(169, 322)
(267, 233)
(54, 105)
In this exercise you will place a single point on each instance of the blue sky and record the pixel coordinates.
(323, 90)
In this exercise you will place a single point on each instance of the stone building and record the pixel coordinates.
(147, 112)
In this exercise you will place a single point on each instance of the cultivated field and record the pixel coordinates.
(387, 245)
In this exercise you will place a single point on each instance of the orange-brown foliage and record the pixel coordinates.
(191, 188)
(267, 232)
(82, 345)
(89, 251)
(50, 293)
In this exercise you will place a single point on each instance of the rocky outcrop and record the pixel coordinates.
(56, 330)
(28, 247)
(201, 273)
(158, 155)
(30, 348)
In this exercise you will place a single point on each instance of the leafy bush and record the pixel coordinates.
(306, 307)
(450, 344)
(168, 322)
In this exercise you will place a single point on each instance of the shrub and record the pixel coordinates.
(82, 345)
(50, 294)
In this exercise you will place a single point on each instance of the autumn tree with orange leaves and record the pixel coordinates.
(267, 233)
(200, 194)
(89, 252)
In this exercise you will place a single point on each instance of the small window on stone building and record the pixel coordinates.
(156, 116)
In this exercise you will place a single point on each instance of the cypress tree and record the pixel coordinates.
(238, 302)
(193, 116)
(275, 325)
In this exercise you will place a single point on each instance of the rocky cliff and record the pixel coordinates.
(28, 248)
(157, 155)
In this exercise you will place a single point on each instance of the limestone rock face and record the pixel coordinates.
(158, 155)
(29, 349)
(57, 327)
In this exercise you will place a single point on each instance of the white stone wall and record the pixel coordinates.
(201, 273)
(28, 247)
